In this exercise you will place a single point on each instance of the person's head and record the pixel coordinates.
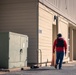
(59, 35)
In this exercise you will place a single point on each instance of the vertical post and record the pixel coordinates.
(56, 18)
(56, 34)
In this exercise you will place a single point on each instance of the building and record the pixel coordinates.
(41, 20)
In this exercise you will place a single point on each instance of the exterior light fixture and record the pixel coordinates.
(55, 17)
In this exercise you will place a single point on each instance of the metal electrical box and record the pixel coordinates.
(13, 50)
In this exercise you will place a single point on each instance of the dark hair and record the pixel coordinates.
(59, 35)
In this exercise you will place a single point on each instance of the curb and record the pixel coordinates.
(5, 71)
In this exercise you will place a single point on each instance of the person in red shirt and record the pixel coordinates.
(61, 47)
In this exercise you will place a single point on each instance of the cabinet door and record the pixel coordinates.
(23, 50)
(14, 48)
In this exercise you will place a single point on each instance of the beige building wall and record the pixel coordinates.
(45, 34)
(63, 28)
(65, 8)
(24, 16)
(21, 16)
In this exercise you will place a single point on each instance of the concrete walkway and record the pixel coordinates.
(68, 69)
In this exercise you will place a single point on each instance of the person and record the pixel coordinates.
(61, 47)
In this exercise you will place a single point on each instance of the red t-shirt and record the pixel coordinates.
(59, 48)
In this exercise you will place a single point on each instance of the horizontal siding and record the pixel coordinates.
(45, 37)
(21, 16)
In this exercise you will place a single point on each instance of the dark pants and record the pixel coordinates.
(59, 58)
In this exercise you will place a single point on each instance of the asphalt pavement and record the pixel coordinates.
(67, 69)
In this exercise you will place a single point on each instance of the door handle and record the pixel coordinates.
(21, 50)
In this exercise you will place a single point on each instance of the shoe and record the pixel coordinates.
(56, 66)
(60, 68)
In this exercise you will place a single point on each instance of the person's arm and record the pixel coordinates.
(54, 44)
(65, 46)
